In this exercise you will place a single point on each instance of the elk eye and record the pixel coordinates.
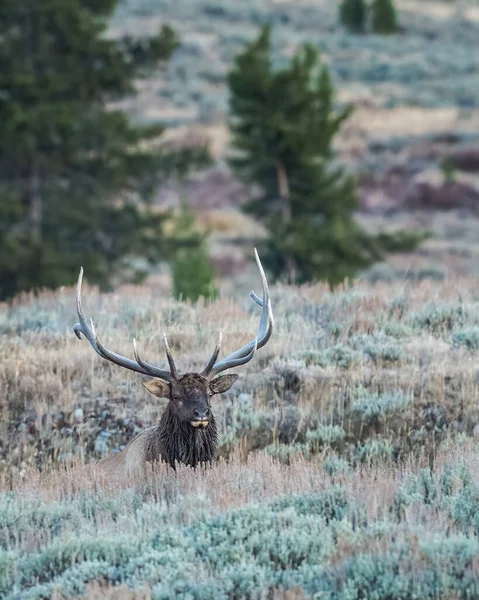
(176, 397)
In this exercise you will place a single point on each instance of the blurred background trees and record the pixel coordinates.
(378, 16)
(384, 17)
(77, 178)
(283, 123)
(352, 14)
(193, 275)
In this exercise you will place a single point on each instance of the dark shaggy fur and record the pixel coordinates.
(176, 441)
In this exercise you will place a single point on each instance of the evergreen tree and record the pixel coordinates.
(352, 14)
(193, 275)
(384, 17)
(76, 177)
(283, 124)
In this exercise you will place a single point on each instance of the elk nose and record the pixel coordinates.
(201, 413)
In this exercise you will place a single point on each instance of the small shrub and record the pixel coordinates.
(397, 330)
(7, 571)
(375, 451)
(193, 275)
(339, 355)
(284, 452)
(325, 435)
(26, 319)
(352, 14)
(441, 319)
(384, 17)
(469, 338)
(336, 465)
(379, 347)
(377, 407)
(448, 169)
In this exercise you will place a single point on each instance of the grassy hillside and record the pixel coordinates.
(416, 96)
(327, 441)
(348, 457)
(428, 65)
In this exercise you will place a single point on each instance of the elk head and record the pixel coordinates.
(189, 395)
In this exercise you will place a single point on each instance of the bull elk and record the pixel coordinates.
(186, 432)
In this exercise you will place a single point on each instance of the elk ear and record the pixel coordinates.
(157, 387)
(223, 383)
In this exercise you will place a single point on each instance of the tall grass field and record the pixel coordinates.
(347, 466)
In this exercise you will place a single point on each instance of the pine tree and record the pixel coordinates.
(384, 17)
(352, 14)
(193, 275)
(283, 124)
(76, 178)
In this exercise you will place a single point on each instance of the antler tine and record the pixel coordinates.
(90, 334)
(214, 357)
(254, 297)
(235, 362)
(151, 369)
(265, 328)
(169, 356)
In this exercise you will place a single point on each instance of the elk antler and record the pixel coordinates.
(140, 366)
(246, 353)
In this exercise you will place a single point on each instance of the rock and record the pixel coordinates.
(430, 190)
(465, 159)
(475, 431)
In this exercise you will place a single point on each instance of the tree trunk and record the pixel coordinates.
(35, 208)
(286, 211)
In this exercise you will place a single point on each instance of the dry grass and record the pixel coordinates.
(388, 372)
(45, 369)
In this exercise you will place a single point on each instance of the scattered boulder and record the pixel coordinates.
(465, 159)
(431, 190)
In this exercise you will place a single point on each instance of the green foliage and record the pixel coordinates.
(193, 275)
(441, 319)
(401, 241)
(375, 452)
(379, 347)
(384, 17)
(325, 435)
(336, 464)
(469, 338)
(352, 14)
(339, 355)
(334, 543)
(448, 168)
(378, 407)
(284, 123)
(76, 178)
(396, 330)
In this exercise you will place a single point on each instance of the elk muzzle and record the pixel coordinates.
(201, 417)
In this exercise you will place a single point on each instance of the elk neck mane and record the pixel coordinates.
(173, 440)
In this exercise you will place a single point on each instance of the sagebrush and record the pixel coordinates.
(347, 461)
